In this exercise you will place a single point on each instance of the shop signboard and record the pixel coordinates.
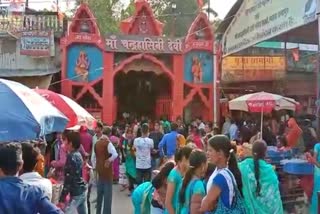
(36, 43)
(253, 68)
(257, 21)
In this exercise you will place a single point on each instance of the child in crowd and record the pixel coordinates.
(175, 179)
(86, 169)
(192, 190)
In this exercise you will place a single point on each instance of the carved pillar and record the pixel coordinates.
(108, 88)
(177, 86)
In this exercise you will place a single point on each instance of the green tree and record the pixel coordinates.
(177, 21)
(128, 11)
(107, 13)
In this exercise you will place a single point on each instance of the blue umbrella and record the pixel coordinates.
(26, 115)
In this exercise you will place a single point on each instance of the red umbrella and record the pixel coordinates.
(73, 111)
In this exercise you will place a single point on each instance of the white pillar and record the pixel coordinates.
(215, 90)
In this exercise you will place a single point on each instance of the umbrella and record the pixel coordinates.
(263, 102)
(72, 110)
(24, 114)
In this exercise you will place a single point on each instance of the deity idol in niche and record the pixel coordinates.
(196, 70)
(82, 66)
(143, 27)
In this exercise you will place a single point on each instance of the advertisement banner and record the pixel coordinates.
(36, 43)
(259, 20)
(253, 68)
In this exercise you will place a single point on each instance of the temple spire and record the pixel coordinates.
(200, 4)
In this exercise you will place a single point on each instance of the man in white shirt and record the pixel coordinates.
(200, 124)
(143, 147)
(30, 156)
(233, 131)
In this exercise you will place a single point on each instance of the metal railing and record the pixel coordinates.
(41, 22)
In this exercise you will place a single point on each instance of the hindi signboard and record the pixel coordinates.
(251, 68)
(257, 21)
(36, 43)
(147, 44)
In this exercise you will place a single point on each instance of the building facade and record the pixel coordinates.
(139, 71)
(29, 46)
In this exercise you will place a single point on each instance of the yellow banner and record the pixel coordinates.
(271, 63)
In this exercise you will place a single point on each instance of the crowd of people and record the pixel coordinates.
(166, 167)
(206, 177)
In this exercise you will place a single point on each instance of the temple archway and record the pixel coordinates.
(143, 87)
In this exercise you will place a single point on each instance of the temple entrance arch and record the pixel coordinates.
(143, 86)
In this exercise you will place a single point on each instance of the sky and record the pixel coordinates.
(222, 7)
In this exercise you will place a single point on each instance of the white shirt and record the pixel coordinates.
(111, 150)
(93, 154)
(35, 179)
(143, 146)
(201, 126)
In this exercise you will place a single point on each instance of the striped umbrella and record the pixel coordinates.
(25, 115)
(72, 110)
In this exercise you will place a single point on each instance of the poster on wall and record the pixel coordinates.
(198, 67)
(36, 43)
(84, 63)
(257, 21)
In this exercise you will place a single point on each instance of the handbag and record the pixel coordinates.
(238, 205)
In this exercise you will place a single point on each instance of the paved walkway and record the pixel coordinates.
(121, 202)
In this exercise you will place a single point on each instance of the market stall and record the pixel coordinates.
(290, 163)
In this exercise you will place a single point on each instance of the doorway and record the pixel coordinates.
(137, 92)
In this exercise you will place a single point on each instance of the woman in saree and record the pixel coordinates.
(127, 152)
(260, 183)
(316, 186)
